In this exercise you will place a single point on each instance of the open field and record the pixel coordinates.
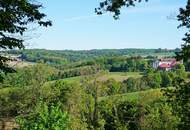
(118, 76)
(19, 64)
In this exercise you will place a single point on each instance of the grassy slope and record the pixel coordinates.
(143, 97)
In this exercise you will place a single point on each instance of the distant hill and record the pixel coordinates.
(64, 56)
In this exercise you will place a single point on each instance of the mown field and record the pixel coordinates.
(118, 76)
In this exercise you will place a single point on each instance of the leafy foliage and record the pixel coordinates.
(120, 116)
(114, 6)
(184, 18)
(44, 118)
(159, 117)
(31, 75)
(14, 17)
(179, 98)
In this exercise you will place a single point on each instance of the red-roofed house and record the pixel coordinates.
(166, 64)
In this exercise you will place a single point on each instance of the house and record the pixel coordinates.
(166, 64)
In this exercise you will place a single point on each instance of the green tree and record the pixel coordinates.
(157, 79)
(166, 80)
(113, 86)
(15, 15)
(153, 80)
(35, 75)
(187, 65)
(179, 99)
(121, 115)
(73, 100)
(94, 90)
(159, 116)
(133, 84)
(184, 18)
(45, 117)
(114, 6)
(180, 71)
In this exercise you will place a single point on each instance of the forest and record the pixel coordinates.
(101, 92)
(93, 89)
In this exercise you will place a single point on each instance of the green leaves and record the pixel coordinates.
(179, 99)
(114, 6)
(184, 18)
(15, 15)
(45, 117)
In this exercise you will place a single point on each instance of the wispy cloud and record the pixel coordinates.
(132, 10)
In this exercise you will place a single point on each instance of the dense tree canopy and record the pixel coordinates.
(15, 15)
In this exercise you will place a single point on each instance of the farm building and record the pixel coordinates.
(166, 64)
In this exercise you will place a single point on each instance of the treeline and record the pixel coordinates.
(125, 64)
(78, 71)
(65, 56)
(42, 73)
(113, 64)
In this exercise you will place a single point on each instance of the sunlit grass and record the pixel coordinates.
(142, 97)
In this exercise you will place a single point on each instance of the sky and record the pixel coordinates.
(77, 27)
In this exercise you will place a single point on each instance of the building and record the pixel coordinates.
(166, 64)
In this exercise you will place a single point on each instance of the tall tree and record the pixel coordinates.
(179, 99)
(15, 15)
(184, 17)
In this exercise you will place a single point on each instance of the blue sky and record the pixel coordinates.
(77, 27)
